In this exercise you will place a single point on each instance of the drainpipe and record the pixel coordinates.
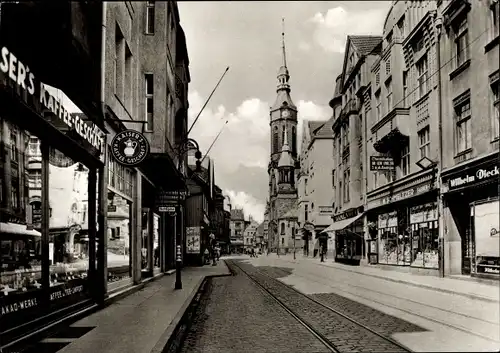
(438, 23)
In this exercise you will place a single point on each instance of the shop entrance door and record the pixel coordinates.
(467, 242)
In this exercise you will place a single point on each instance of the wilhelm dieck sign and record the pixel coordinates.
(381, 163)
(129, 147)
(474, 176)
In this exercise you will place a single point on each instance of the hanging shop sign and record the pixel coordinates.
(378, 163)
(168, 198)
(193, 240)
(474, 176)
(129, 147)
(20, 74)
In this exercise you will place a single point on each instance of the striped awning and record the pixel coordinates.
(342, 224)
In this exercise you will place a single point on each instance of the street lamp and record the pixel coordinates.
(185, 146)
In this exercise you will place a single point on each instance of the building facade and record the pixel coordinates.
(315, 188)
(89, 224)
(469, 40)
(249, 234)
(428, 109)
(351, 109)
(237, 227)
(283, 165)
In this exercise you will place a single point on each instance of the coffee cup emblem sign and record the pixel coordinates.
(129, 147)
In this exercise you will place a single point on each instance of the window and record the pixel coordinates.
(150, 17)
(422, 70)
(14, 194)
(282, 241)
(283, 136)
(405, 160)
(388, 88)
(388, 39)
(388, 67)
(306, 212)
(362, 179)
(275, 140)
(377, 104)
(462, 43)
(377, 78)
(345, 137)
(496, 108)
(359, 126)
(424, 143)
(463, 133)
(282, 228)
(149, 83)
(13, 146)
(347, 176)
(401, 28)
(294, 140)
(495, 15)
(333, 178)
(35, 179)
(405, 88)
(118, 64)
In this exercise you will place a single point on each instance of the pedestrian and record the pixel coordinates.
(212, 246)
(322, 253)
(217, 251)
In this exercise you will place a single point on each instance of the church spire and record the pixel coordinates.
(283, 41)
(283, 74)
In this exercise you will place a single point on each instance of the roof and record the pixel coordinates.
(260, 229)
(314, 125)
(365, 44)
(325, 130)
(283, 96)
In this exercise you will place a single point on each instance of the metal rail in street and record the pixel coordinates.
(304, 323)
(327, 342)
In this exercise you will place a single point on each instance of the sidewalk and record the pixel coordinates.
(141, 322)
(470, 289)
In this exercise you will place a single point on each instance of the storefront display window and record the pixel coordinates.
(156, 242)
(486, 228)
(145, 248)
(425, 236)
(20, 241)
(388, 238)
(119, 230)
(68, 223)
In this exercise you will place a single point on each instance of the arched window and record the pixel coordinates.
(282, 228)
(283, 136)
(275, 140)
(294, 140)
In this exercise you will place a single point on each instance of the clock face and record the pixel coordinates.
(285, 114)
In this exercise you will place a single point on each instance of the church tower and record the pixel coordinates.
(283, 164)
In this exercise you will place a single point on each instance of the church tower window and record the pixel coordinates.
(275, 140)
(294, 140)
(283, 136)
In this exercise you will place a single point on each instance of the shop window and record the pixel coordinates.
(424, 142)
(282, 228)
(150, 17)
(463, 128)
(424, 236)
(485, 228)
(422, 76)
(149, 83)
(405, 160)
(462, 53)
(388, 238)
(13, 146)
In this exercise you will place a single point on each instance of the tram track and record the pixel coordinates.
(337, 331)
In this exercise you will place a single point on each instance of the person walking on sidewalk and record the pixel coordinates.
(212, 250)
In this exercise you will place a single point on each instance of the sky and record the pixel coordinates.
(246, 36)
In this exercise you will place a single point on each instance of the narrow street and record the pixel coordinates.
(275, 305)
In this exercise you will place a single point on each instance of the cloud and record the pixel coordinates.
(250, 205)
(304, 46)
(332, 28)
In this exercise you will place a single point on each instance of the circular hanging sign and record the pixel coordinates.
(129, 147)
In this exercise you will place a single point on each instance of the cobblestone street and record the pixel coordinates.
(237, 315)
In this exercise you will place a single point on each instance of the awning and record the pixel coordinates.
(14, 228)
(343, 223)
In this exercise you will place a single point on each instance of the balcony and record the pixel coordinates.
(392, 130)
